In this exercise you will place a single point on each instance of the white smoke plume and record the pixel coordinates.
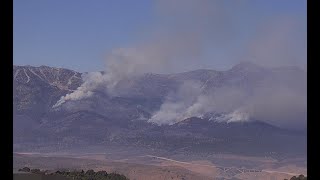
(91, 82)
(190, 101)
(179, 105)
(183, 34)
(281, 102)
(175, 47)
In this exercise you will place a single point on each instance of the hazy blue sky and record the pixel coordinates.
(78, 34)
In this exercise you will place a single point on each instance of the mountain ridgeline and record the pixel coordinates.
(124, 118)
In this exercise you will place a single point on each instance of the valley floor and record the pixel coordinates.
(150, 167)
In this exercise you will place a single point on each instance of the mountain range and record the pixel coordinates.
(124, 118)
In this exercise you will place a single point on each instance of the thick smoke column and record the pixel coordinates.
(91, 82)
(123, 63)
(185, 31)
(276, 99)
(180, 44)
(179, 105)
(195, 103)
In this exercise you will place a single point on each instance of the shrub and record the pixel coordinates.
(81, 175)
(25, 169)
(35, 171)
(300, 177)
(90, 172)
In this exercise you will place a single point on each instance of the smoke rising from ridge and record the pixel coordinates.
(180, 43)
(184, 32)
(277, 102)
